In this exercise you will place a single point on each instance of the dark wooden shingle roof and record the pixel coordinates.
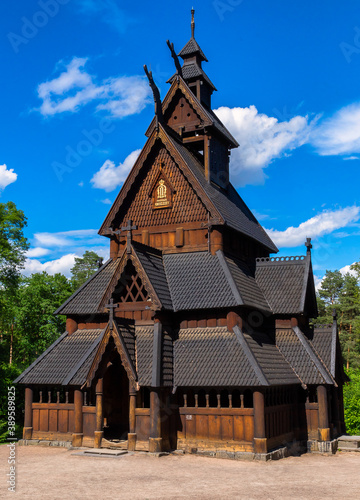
(305, 361)
(87, 299)
(55, 365)
(215, 357)
(283, 280)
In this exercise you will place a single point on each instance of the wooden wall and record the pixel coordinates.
(216, 428)
(53, 421)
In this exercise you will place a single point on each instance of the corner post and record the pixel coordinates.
(27, 431)
(132, 418)
(99, 433)
(260, 441)
(77, 437)
(155, 440)
(324, 430)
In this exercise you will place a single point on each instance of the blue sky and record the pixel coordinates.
(75, 106)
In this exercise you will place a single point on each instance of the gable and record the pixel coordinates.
(138, 205)
(130, 287)
(181, 115)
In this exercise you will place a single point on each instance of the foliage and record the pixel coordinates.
(13, 243)
(342, 293)
(331, 287)
(352, 402)
(30, 315)
(84, 267)
(7, 374)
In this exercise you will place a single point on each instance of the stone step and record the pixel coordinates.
(352, 442)
(343, 448)
(104, 452)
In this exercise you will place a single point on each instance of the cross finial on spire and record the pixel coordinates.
(129, 229)
(308, 246)
(192, 23)
(111, 308)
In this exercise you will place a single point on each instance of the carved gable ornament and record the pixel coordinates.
(161, 192)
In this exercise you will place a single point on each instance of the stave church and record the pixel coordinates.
(192, 336)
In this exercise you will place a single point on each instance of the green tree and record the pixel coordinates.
(352, 402)
(84, 267)
(32, 315)
(13, 243)
(349, 325)
(331, 287)
(356, 267)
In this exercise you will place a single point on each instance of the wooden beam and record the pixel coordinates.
(77, 436)
(324, 430)
(99, 433)
(27, 431)
(132, 418)
(260, 441)
(155, 440)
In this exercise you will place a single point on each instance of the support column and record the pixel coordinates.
(324, 430)
(155, 440)
(77, 437)
(132, 418)
(260, 441)
(27, 431)
(99, 433)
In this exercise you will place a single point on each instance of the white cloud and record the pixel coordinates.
(106, 201)
(351, 158)
(74, 87)
(61, 265)
(324, 223)
(346, 269)
(340, 134)
(109, 177)
(262, 138)
(37, 252)
(318, 281)
(64, 238)
(6, 176)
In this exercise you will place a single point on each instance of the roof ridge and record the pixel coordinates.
(305, 281)
(291, 366)
(314, 356)
(236, 292)
(250, 356)
(291, 259)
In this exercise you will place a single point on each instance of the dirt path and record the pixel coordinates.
(54, 473)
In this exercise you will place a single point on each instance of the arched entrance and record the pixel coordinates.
(116, 401)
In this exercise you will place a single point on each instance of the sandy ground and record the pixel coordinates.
(54, 473)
